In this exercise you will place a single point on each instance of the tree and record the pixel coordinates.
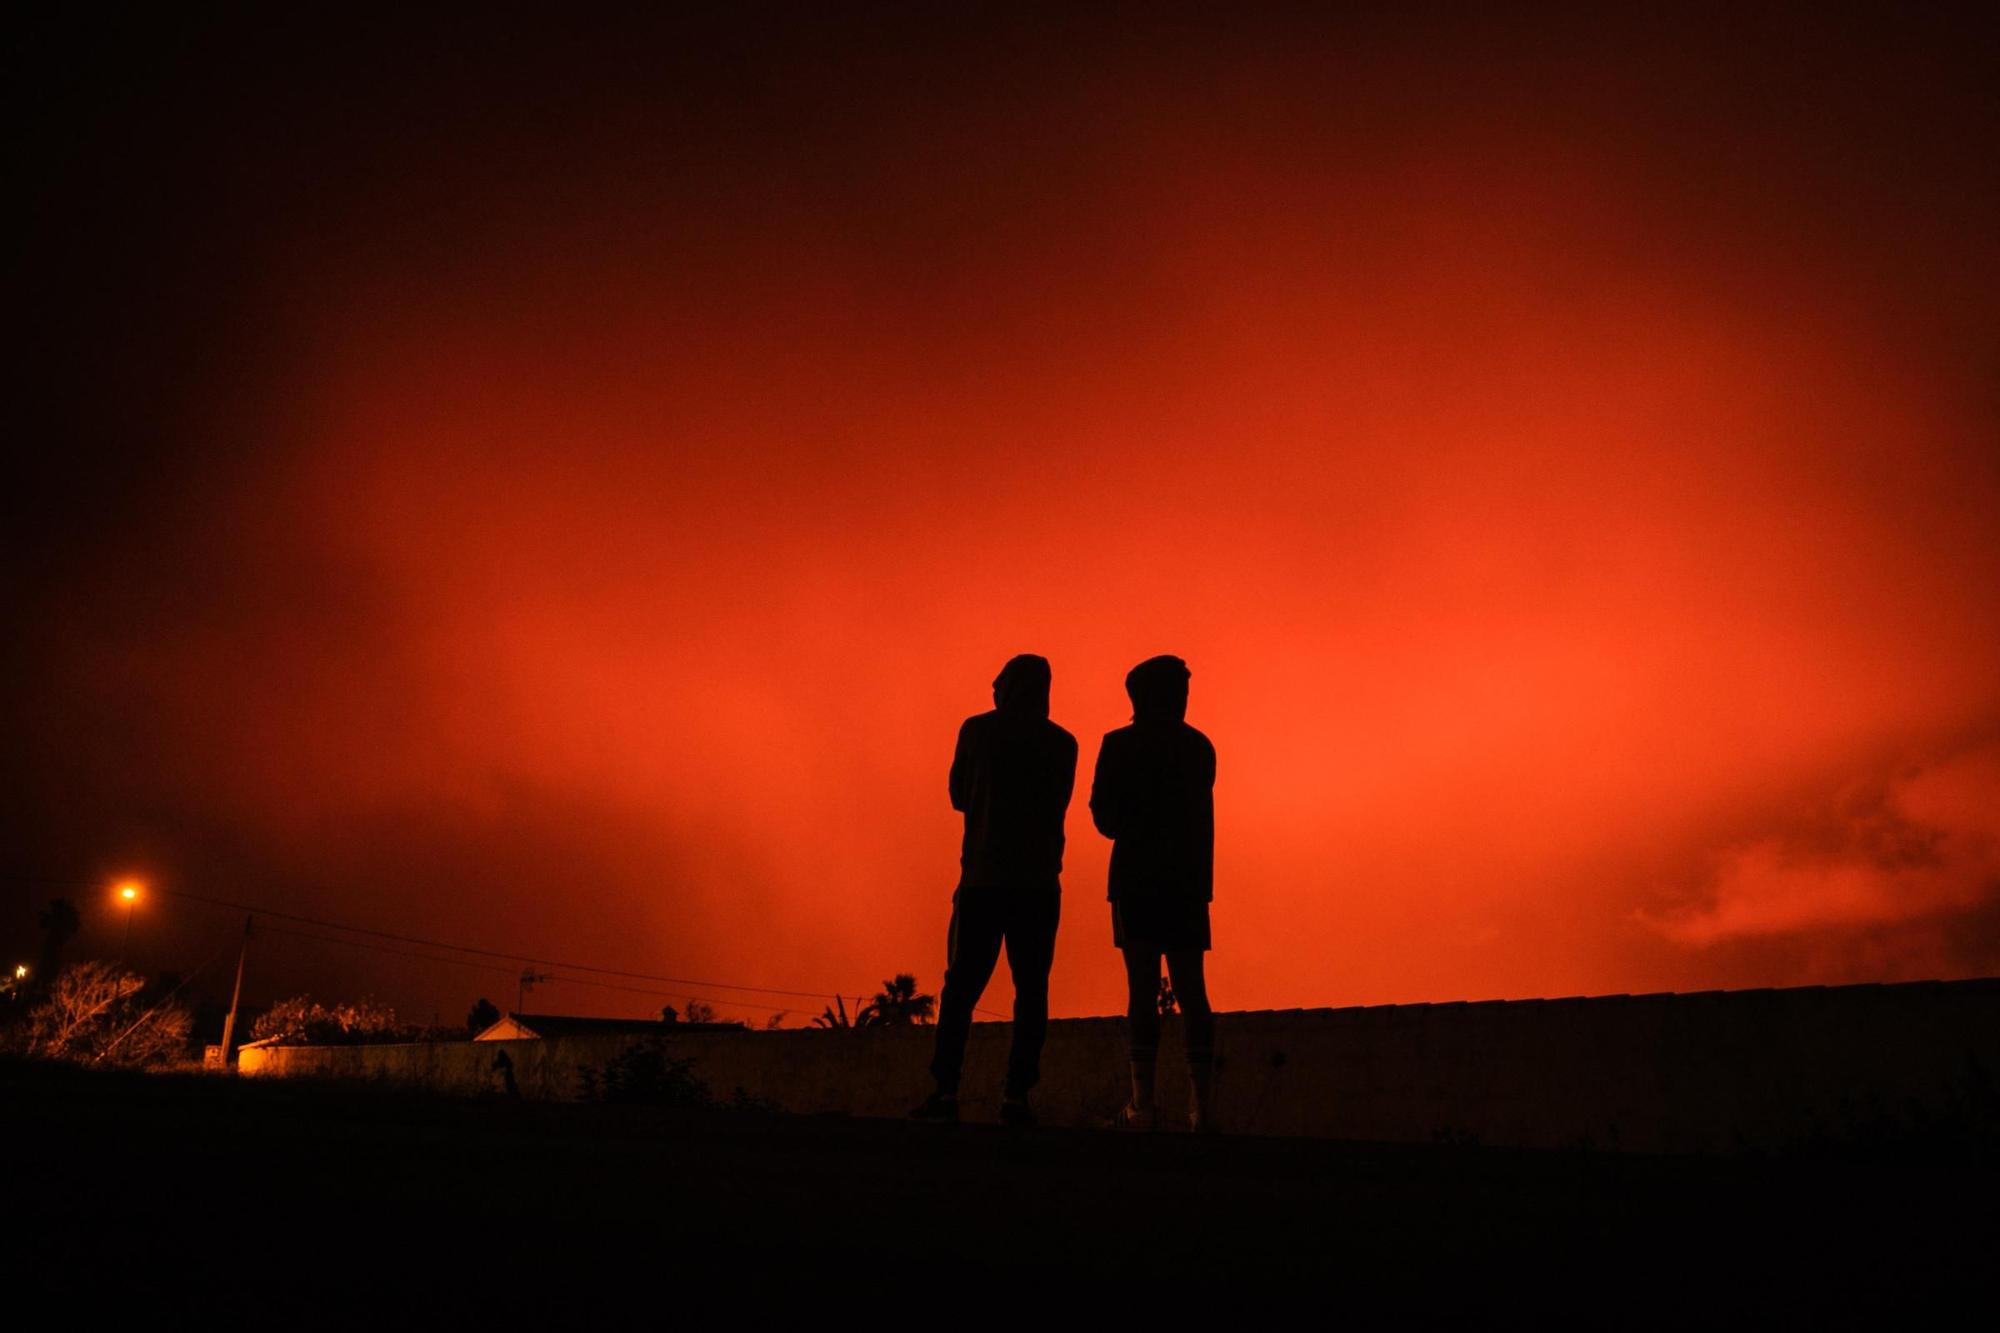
(698, 1011)
(483, 1016)
(98, 1013)
(897, 1005)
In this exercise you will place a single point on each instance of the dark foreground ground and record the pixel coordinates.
(199, 1201)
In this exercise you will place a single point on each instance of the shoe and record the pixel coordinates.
(940, 1108)
(1016, 1112)
(1133, 1119)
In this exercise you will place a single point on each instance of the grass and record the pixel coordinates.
(157, 1188)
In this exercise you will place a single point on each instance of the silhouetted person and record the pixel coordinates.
(503, 1065)
(1011, 776)
(1154, 796)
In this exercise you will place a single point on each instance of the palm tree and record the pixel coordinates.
(898, 1005)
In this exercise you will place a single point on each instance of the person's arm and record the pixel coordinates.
(1064, 786)
(963, 763)
(1207, 824)
(1106, 798)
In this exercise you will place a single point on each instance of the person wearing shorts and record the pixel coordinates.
(1154, 796)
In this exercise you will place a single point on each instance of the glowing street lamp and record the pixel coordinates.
(129, 891)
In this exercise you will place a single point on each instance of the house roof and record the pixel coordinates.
(530, 1026)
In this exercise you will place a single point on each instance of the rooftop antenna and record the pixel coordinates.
(528, 981)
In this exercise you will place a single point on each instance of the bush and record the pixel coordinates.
(302, 1021)
(645, 1074)
(96, 1013)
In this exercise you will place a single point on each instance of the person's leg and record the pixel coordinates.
(1191, 989)
(1031, 952)
(972, 948)
(1142, 1015)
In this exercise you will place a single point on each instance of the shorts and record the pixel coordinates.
(1160, 925)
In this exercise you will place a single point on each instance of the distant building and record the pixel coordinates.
(211, 1056)
(542, 1027)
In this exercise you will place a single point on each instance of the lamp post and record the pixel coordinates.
(129, 891)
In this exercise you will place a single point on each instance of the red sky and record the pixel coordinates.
(605, 472)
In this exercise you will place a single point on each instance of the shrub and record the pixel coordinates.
(645, 1073)
(302, 1020)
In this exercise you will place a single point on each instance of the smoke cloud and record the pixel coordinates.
(564, 494)
(1893, 878)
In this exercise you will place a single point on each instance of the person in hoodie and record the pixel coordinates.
(1154, 796)
(1011, 777)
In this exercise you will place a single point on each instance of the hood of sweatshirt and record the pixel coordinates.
(1021, 689)
(1158, 688)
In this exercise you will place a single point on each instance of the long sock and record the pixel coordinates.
(1201, 1076)
(1144, 1066)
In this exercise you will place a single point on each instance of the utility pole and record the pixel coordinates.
(235, 997)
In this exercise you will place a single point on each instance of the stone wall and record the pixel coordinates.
(1706, 1072)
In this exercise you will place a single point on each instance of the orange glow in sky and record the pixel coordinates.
(1575, 498)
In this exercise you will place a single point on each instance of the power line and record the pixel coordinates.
(268, 929)
(672, 994)
(508, 971)
(820, 996)
(421, 941)
(489, 953)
